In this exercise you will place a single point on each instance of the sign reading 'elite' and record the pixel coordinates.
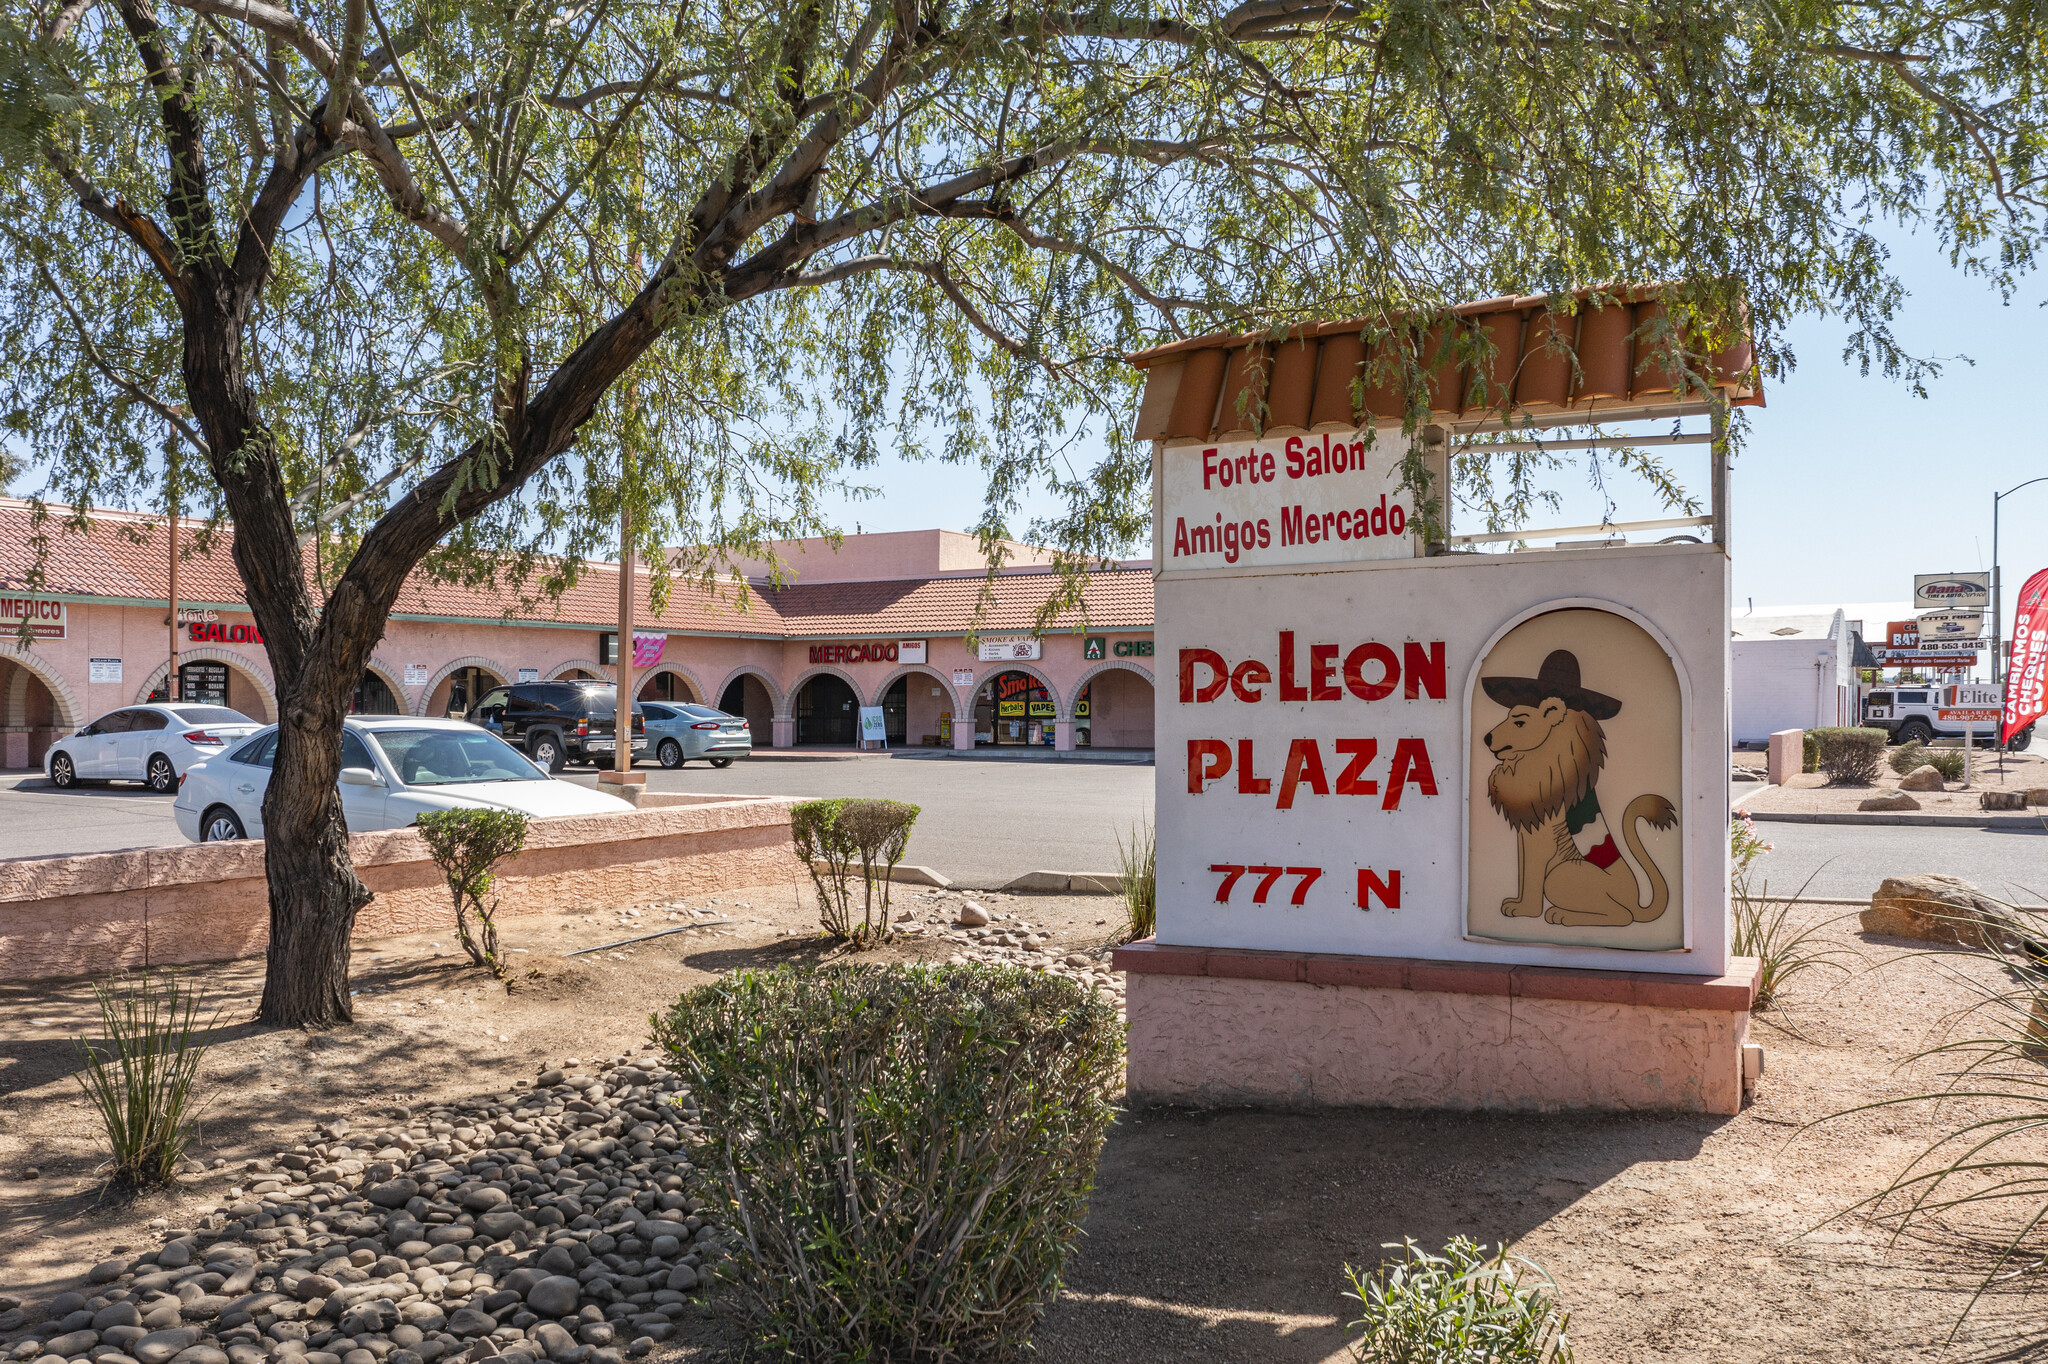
(1300, 499)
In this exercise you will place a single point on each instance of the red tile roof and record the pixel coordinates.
(124, 556)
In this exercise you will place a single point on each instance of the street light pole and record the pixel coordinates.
(1998, 584)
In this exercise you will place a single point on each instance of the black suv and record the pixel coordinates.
(558, 722)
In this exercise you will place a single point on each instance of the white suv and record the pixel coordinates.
(1917, 713)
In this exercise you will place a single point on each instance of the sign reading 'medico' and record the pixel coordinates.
(45, 619)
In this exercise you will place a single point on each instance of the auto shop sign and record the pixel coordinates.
(1492, 757)
(1951, 591)
(45, 619)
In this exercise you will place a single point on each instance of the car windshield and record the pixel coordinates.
(210, 715)
(452, 757)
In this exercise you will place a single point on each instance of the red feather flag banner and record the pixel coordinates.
(2026, 670)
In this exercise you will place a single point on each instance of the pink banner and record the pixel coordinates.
(647, 649)
(2026, 669)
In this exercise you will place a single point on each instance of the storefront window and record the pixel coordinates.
(1014, 708)
(373, 696)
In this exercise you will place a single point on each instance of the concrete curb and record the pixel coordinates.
(1079, 755)
(1066, 883)
(905, 874)
(1909, 820)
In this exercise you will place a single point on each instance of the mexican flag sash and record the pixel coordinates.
(1588, 828)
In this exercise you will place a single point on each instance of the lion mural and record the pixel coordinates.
(1549, 752)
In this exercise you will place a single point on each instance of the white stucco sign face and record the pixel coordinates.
(1474, 757)
(1331, 497)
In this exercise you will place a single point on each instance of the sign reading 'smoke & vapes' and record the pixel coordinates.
(1482, 757)
(1299, 499)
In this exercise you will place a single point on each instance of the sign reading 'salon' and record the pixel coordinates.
(1285, 500)
(1483, 757)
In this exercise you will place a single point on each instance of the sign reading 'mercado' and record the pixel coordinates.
(1299, 499)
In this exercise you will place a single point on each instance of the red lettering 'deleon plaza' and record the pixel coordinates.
(1369, 672)
(1211, 760)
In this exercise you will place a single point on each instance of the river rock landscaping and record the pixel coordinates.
(549, 1221)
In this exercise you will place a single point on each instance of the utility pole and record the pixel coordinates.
(173, 687)
(622, 774)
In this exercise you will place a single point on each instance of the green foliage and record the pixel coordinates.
(467, 845)
(1910, 757)
(1809, 751)
(139, 1075)
(1906, 757)
(1849, 757)
(1466, 1306)
(1139, 862)
(904, 1153)
(1744, 845)
(833, 838)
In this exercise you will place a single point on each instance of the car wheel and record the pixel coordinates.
(2018, 743)
(220, 825)
(161, 778)
(1915, 732)
(671, 753)
(547, 754)
(721, 762)
(62, 772)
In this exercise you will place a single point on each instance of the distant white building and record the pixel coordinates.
(1794, 667)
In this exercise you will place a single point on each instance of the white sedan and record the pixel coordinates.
(393, 769)
(150, 744)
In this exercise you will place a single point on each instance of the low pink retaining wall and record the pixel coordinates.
(1212, 1026)
(68, 916)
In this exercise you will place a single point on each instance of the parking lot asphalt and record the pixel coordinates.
(982, 822)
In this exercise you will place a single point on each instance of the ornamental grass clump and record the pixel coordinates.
(1465, 1306)
(140, 1074)
(904, 1154)
(836, 837)
(1140, 866)
(467, 845)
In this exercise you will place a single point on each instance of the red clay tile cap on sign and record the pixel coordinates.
(1545, 381)
(1293, 383)
(1604, 352)
(1336, 372)
(1494, 380)
(1194, 407)
(1244, 391)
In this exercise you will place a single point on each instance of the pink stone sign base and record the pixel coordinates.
(1212, 1027)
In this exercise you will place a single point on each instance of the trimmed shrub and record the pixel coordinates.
(1465, 1306)
(840, 834)
(903, 1154)
(139, 1076)
(1850, 757)
(1809, 751)
(466, 845)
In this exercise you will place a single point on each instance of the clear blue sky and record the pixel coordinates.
(1848, 486)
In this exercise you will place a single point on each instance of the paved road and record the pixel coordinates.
(984, 821)
(1848, 862)
(38, 820)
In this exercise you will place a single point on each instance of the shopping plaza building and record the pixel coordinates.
(909, 623)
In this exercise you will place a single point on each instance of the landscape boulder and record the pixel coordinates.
(1902, 801)
(1943, 909)
(1925, 777)
(2003, 800)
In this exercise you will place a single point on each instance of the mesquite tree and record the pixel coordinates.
(445, 284)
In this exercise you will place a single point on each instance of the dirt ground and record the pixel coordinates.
(1809, 793)
(1218, 1235)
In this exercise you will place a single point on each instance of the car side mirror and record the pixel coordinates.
(360, 776)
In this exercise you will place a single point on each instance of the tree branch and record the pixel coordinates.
(341, 87)
(171, 416)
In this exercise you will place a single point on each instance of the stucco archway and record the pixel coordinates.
(915, 669)
(785, 704)
(489, 665)
(775, 694)
(981, 681)
(1114, 665)
(70, 715)
(389, 676)
(698, 695)
(588, 665)
(241, 663)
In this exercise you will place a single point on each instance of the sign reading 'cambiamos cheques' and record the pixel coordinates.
(1286, 500)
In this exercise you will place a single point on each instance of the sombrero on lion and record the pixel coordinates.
(1559, 677)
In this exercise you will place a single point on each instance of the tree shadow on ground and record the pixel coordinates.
(1224, 1234)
